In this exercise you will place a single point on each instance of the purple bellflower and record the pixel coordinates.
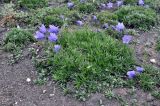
(120, 26)
(103, 6)
(42, 28)
(119, 3)
(79, 23)
(105, 26)
(139, 69)
(131, 74)
(94, 18)
(53, 29)
(109, 5)
(56, 48)
(39, 35)
(70, 5)
(52, 37)
(141, 2)
(126, 39)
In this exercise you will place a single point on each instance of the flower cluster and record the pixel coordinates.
(118, 3)
(126, 39)
(131, 74)
(50, 34)
(110, 5)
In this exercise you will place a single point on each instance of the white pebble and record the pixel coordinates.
(51, 95)
(153, 60)
(28, 80)
(44, 91)
(16, 103)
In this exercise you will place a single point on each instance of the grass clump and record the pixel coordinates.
(55, 20)
(154, 4)
(107, 17)
(158, 45)
(73, 16)
(149, 80)
(32, 4)
(137, 17)
(89, 58)
(17, 38)
(86, 8)
(130, 2)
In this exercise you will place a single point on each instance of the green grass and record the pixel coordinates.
(107, 17)
(32, 4)
(148, 80)
(53, 20)
(87, 59)
(158, 45)
(86, 8)
(137, 17)
(16, 38)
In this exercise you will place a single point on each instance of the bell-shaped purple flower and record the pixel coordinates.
(113, 27)
(53, 29)
(70, 5)
(52, 37)
(103, 6)
(42, 28)
(119, 3)
(120, 26)
(131, 74)
(139, 69)
(56, 48)
(109, 5)
(126, 39)
(94, 18)
(79, 23)
(39, 35)
(105, 26)
(141, 2)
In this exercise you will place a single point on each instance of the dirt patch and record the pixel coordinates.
(145, 47)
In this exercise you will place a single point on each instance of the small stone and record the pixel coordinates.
(51, 95)
(100, 102)
(152, 60)
(28, 80)
(18, 26)
(16, 103)
(150, 98)
(44, 91)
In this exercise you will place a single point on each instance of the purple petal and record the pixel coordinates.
(53, 29)
(126, 39)
(103, 6)
(70, 5)
(105, 26)
(53, 37)
(94, 18)
(119, 3)
(56, 48)
(39, 35)
(131, 74)
(43, 29)
(140, 69)
(80, 23)
(120, 26)
(109, 5)
(141, 2)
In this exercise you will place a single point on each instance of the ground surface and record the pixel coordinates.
(16, 91)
